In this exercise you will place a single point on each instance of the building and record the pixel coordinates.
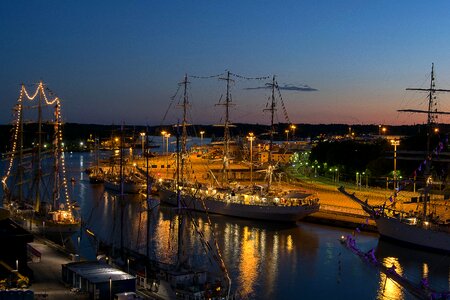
(99, 280)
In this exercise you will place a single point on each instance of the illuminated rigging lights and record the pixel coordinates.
(58, 132)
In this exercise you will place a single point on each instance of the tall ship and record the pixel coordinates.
(422, 227)
(35, 187)
(254, 201)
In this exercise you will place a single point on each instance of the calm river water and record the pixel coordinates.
(265, 260)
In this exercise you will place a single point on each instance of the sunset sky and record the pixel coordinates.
(121, 61)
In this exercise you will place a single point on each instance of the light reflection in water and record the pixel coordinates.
(425, 270)
(249, 261)
(163, 240)
(289, 243)
(265, 261)
(389, 289)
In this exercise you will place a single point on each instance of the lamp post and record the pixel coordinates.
(163, 134)
(395, 143)
(110, 288)
(287, 135)
(142, 140)
(167, 142)
(167, 153)
(251, 138)
(357, 179)
(293, 127)
(201, 137)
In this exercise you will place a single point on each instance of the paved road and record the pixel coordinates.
(47, 282)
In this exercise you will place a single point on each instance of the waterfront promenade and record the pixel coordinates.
(47, 283)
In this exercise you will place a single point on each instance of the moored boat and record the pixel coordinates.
(289, 207)
(263, 204)
(44, 206)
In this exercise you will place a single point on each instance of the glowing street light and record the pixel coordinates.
(163, 134)
(201, 137)
(287, 135)
(143, 138)
(293, 127)
(395, 143)
(251, 138)
(167, 142)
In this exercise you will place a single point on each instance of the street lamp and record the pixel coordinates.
(395, 143)
(287, 135)
(167, 153)
(293, 127)
(110, 288)
(357, 179)
(383, 130)
(143, 138)
(201, 137)
(251, 138)
(167, 142)
(163, 134)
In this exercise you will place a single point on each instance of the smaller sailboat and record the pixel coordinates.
(35, 184)
(96, 175)
(125, 181)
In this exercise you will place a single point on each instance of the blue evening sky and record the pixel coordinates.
(121, 61)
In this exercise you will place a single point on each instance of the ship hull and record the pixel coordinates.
(393, 229)
(48, 228)
(258, 212)
(128, 187)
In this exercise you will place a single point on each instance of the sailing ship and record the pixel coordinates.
(35, 187)
(245, 202)
(125, 180)
(96, 174)
(418, 228)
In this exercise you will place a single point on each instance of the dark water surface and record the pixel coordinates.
(265, 260)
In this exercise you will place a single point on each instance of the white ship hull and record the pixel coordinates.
(249, 211)
(393, 228)
(128, 187)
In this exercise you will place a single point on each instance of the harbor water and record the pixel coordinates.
(264, 260)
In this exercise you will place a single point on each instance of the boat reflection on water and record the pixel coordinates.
(251, 249)
(413, 264)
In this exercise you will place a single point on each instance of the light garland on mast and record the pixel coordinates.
(58, 132)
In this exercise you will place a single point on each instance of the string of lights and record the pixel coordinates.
(58, 142)
(249, 78)
(205, 77)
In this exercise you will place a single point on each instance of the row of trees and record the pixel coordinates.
(372, 162)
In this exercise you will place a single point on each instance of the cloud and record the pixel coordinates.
(286, 87)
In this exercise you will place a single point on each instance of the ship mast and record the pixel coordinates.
(272, 110)
(184, 125)
(431, 120)
(181, 156)
(37, 203)
(226, 131)
(21, 162)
